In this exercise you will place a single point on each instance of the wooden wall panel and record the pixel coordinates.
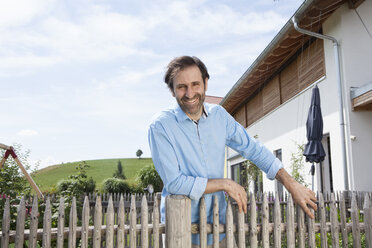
(311, 64)
(254, 109)
(240, 116)
(289, 81)
(271, 95)
(304, 70)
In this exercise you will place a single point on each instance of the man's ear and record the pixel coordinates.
(205, 84)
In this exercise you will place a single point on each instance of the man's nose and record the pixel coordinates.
(189, 92)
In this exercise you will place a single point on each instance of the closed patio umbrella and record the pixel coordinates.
(314, 151)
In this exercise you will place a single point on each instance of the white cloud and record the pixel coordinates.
(27, 132)
(18, 12)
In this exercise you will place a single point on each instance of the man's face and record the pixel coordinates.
(189, 91)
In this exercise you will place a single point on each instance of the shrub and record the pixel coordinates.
(115, 185)
(148, 175)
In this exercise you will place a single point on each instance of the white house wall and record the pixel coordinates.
(286, 125)
(356, 54)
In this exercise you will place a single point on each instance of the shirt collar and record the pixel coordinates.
(181, 116)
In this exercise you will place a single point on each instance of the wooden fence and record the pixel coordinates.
(268, 223)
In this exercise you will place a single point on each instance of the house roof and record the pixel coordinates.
(310, 15)
(213, 99)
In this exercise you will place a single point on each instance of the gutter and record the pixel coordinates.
(340, 94)
(279, 36)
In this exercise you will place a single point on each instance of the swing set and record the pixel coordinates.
(10, 152)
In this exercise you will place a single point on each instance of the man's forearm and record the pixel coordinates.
(233, 189)
(301, 195)
(215, 185)
(288, 181)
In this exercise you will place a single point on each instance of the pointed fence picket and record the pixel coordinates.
(133, 221)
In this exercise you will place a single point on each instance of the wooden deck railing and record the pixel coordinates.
(267, 224)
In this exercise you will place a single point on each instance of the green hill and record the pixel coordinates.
(101, 169)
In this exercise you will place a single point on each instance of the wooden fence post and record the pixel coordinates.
(72, 225)
(265, 222)
(97, 223)
(155, 224)
(203, 224)
(178, 219)
(6, 225)
(33, 224)
(323, 230)
(368, 220)
(355, 221)
(334, 223)
(291, 241)
(216, 223)
(121, 224)
(61, 223)
(47, 225)
(110, 224)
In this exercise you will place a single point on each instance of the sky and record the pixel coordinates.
(81, 79)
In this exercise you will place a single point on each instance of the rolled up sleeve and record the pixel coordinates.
(251, 149)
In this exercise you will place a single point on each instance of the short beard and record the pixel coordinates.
(200, 104)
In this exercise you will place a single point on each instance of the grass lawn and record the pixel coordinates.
(48, 177)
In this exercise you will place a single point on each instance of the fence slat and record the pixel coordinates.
(253, 226)
(355, 220)
(291, 241)
(47, 225)
(110, 224)
(343, 222)
(6, 225)
(277, 222)
(367, 208)
(155, 224)
(301, 229)
(61, 222)
(97, 223)
(178, 216)
(85, 223)
(72, 225)
(241, 231)
(323, 230)
(121, 222)
(21, 216)
(216, 223)
(335, 227)
(203, 224)
(132, 222)
(265, 222)
(144, 223)
(229, 226)
(311, 230)
(33, 223)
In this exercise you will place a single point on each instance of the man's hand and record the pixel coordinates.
(233, 189)
(301, 195)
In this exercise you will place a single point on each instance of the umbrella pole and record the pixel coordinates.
(312, 174)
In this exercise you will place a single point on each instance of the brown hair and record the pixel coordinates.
(180, 63)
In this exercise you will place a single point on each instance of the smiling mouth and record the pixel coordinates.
(190, 101)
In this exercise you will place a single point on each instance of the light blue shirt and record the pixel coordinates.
(186, 155)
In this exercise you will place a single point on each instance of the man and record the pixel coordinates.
(188, 147)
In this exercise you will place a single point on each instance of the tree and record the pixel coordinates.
(77, 184)
(148, 175)
(13, 184)
(139, 153)
(119, 173)
(12, 181)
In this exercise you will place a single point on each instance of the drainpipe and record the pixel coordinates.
(340, 93)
